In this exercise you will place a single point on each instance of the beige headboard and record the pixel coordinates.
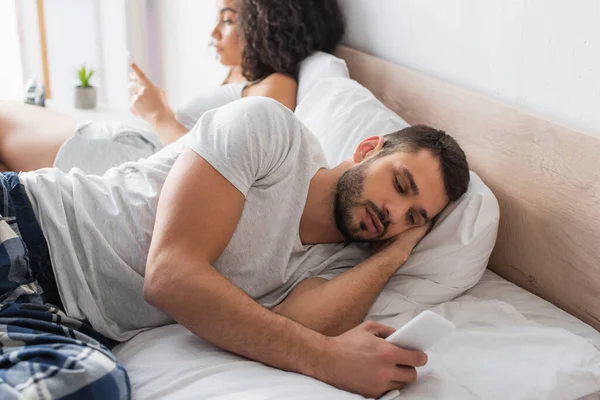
(546, 178)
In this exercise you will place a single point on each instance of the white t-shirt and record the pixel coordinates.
(99, 228)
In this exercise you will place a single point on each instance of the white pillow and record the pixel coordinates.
(317, 66)
(454, 255)
(341, 113)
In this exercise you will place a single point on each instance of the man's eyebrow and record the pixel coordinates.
(411, 180)
(227, 9)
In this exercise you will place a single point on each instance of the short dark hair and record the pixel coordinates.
(278, 34)
(453, 161)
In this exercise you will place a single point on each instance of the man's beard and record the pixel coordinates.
(348, 195)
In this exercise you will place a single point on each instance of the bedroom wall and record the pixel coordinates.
(168, 39)
(185, 61)
(111, 17)
(93, 32)
(10, 67)
(540, 55)
(71, 40)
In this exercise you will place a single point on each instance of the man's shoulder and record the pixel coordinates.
(263, 124)
(255, 136)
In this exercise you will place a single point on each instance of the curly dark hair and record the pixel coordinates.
(278, 34)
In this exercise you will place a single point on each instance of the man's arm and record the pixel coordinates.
(196, 217)
(197, 214)
(335, 306)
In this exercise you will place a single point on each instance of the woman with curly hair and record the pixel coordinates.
(262, 41)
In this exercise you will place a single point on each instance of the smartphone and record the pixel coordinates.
(422, 332)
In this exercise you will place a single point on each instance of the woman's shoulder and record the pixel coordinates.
(278, 77)
(280, 87)
(275, 80)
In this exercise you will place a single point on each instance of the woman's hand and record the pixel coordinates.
(150, 103)
(147, 100)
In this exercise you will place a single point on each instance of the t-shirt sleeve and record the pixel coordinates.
(246, 140)
(349, 257)
(331, 273)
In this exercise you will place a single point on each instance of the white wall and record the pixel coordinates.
(540, 55)
(29, 36)
(168, 39)
(187, 63)
(111, 28)
(92, 32)
(72, 42)
(11, 72)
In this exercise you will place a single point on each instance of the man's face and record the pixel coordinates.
(384, 196)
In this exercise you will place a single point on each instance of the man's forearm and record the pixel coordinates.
(340, 304)
(213, 308)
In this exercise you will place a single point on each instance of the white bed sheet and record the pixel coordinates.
(509, 344)
(493, 287)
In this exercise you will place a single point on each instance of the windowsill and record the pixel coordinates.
(100, 113)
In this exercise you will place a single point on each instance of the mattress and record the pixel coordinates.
(509, 344)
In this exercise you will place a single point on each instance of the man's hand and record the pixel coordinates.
(399, 247)
(361, 361)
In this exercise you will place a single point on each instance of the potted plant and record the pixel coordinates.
(85, 94)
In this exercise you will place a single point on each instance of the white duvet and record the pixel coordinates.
(495, 353)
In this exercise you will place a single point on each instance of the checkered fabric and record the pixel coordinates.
(44, 354)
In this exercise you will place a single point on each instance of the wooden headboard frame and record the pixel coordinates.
(546, 178)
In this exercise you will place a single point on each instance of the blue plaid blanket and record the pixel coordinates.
(44, 354)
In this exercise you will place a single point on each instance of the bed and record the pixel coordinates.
(527, 330)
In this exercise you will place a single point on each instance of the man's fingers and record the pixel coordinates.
(140, 74)
(397, 385)
(429, 227)
(378, 329)
(410, 358)
(405, 374)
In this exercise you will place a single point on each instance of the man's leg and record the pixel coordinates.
(43, 353)
(47, 355)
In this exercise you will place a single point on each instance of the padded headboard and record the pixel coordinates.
(546, 178)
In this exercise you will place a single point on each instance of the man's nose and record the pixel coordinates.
(395, 210)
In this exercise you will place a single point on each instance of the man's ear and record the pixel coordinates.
(368, 147)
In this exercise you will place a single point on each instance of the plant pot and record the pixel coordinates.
(85, 97)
